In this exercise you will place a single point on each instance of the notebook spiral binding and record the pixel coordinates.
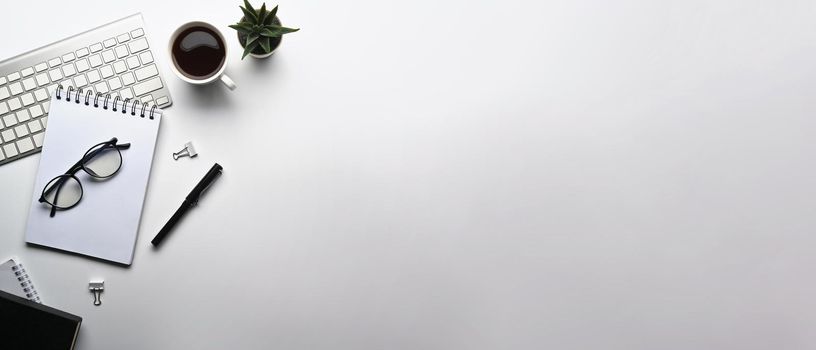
(77, 94)
(25, 282)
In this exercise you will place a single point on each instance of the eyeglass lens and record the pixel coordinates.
(63, 191)
(105, 161)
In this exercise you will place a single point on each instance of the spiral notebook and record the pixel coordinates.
(14, 279)
(105, 222)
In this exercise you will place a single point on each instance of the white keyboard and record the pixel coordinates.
(113, 59)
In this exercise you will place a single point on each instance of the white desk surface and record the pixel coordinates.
(466, 175)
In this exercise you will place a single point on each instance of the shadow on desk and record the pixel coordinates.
(60, 251)
(80, 336)
(262, 65)
(214, 96)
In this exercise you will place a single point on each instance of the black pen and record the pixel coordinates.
(189, 202)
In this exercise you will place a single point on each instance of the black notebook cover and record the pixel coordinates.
(25, 324)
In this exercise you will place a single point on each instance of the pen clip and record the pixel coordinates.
(204, 190)
(212, 175)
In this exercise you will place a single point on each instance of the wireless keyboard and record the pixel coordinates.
(114, 59)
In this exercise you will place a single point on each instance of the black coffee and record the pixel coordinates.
(198, 52)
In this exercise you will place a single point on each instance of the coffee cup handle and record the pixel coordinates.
(228, 82)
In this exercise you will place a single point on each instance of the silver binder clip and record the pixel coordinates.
(96, 287)
(188, 151)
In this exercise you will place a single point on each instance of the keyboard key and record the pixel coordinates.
(51, 89)
(14, 104)
(54, 62)
(95, 60)
(82, 65)
(42, 79)
(138, 45)
(8, 134)
(2, 156)
(41, 95)
(9, 121)
(162, 100)
(128, 78)
(46, 105)
(29, 84)
(115, 83)
(55, 74)
(13, 76)
(22, 116)
(38, 139)
(147, 86)
(44, 121)
(28, 71)
(3, 108)
(34, 126)
(28, 99)
(121, 51)
(137, 33)
(68, 57)
(68, 70)
(4, 93)
(101, 88)
(35, 111)
(126, 93)
(96, 47)
(82, 52)
(146, 72)
(147, 98)
(122, 38)
(146, 57)
(93, 76)
(10, 150)
(108, 56)
(119, 67)
(108, 43)
(2, 80)
(21, 130)
(16, 88)
(80, 81)
(132, 62)
(25, 145)
(41, 67)
(106, 71)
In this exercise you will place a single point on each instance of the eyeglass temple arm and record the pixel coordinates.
(112, 142)
(56, 198)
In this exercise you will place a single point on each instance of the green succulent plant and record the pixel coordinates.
(258, 27)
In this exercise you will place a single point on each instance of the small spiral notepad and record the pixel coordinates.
(15, 280)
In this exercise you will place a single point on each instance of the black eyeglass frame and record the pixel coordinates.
(80, 165)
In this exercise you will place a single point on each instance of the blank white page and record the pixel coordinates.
(105, 223)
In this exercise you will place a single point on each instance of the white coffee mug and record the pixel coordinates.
(219, 74)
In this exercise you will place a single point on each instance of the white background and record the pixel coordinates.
(466, 175)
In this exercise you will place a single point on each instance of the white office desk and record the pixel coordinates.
(466, 175)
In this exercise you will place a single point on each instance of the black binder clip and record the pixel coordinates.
(188, 151)
(96, 287)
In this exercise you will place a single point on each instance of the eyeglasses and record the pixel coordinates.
(101, 161)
